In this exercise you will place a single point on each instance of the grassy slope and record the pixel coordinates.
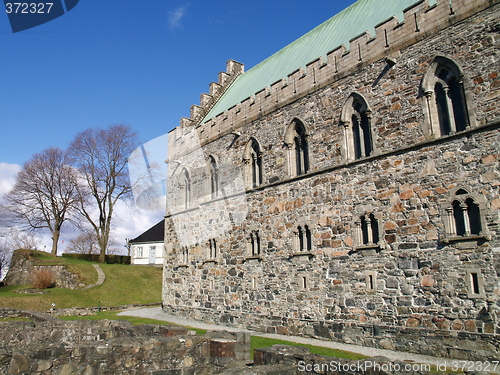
(124, 285)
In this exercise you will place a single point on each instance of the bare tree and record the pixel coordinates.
(18, 239)
(85, 243)
(101, 156)
(45, 193)
(4, 258)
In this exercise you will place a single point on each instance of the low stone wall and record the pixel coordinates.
(51, 346)
(445, 342)
(21, 273)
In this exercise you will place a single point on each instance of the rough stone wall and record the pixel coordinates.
(21, 273)
(113, 347)
(416, 281)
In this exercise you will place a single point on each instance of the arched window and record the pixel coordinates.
(184, 189)
(302, 241)
(297, 149)
(368, 230)
(464, 216)
(253, 164)
(356, 120)
(184, 256)
(212, 249)
(214, 177)
(254, 243)
(305, 239)
(445, 105)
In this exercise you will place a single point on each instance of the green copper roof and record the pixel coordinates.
(361, 16)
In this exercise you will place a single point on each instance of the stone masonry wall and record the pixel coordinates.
(52, 346)
(418, 290)
(22, 268)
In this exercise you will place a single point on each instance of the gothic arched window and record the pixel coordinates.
(253, 164)
(445, 105)
(356, 119)
(214, 177)
(464, 215)
(184, 189)
(298, 152)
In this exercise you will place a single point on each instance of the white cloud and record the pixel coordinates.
(130, 222)
(175, 17)
(8, 173)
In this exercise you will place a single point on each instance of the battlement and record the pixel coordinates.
(421, 20)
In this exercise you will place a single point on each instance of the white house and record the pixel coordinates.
(148, 248)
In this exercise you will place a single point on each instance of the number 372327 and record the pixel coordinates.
(28, 7)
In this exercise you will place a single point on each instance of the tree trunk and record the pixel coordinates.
(55, 240)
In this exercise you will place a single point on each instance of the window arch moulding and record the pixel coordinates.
(303, 247)
(213, 180)
(367, 233)
(253, 168)
(446, 100)
(297, 148)
(356, 122)
(183, 190)
(464, 216)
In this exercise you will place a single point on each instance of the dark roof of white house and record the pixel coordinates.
(154, 234)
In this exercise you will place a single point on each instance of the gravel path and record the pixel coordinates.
(158, 314)
(101, 277)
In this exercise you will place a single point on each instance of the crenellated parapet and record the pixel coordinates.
(216, 89)
(421, 20)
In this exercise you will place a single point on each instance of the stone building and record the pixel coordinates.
(347, 187)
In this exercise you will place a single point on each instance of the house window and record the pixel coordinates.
(253, 164)
(214, 177)
(356, 121)
(297, 149)
(464, 216)
(139, 252)
(445, 105)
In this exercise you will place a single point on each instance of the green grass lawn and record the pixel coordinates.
(124, 285)
(263, 342)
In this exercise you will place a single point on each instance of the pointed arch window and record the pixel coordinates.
(445, 104)
(183, 256)
(297, 149)
(253, 164)
(214, 177)
(356, 121)
(184, 189)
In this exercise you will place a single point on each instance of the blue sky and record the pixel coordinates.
(142, 63)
